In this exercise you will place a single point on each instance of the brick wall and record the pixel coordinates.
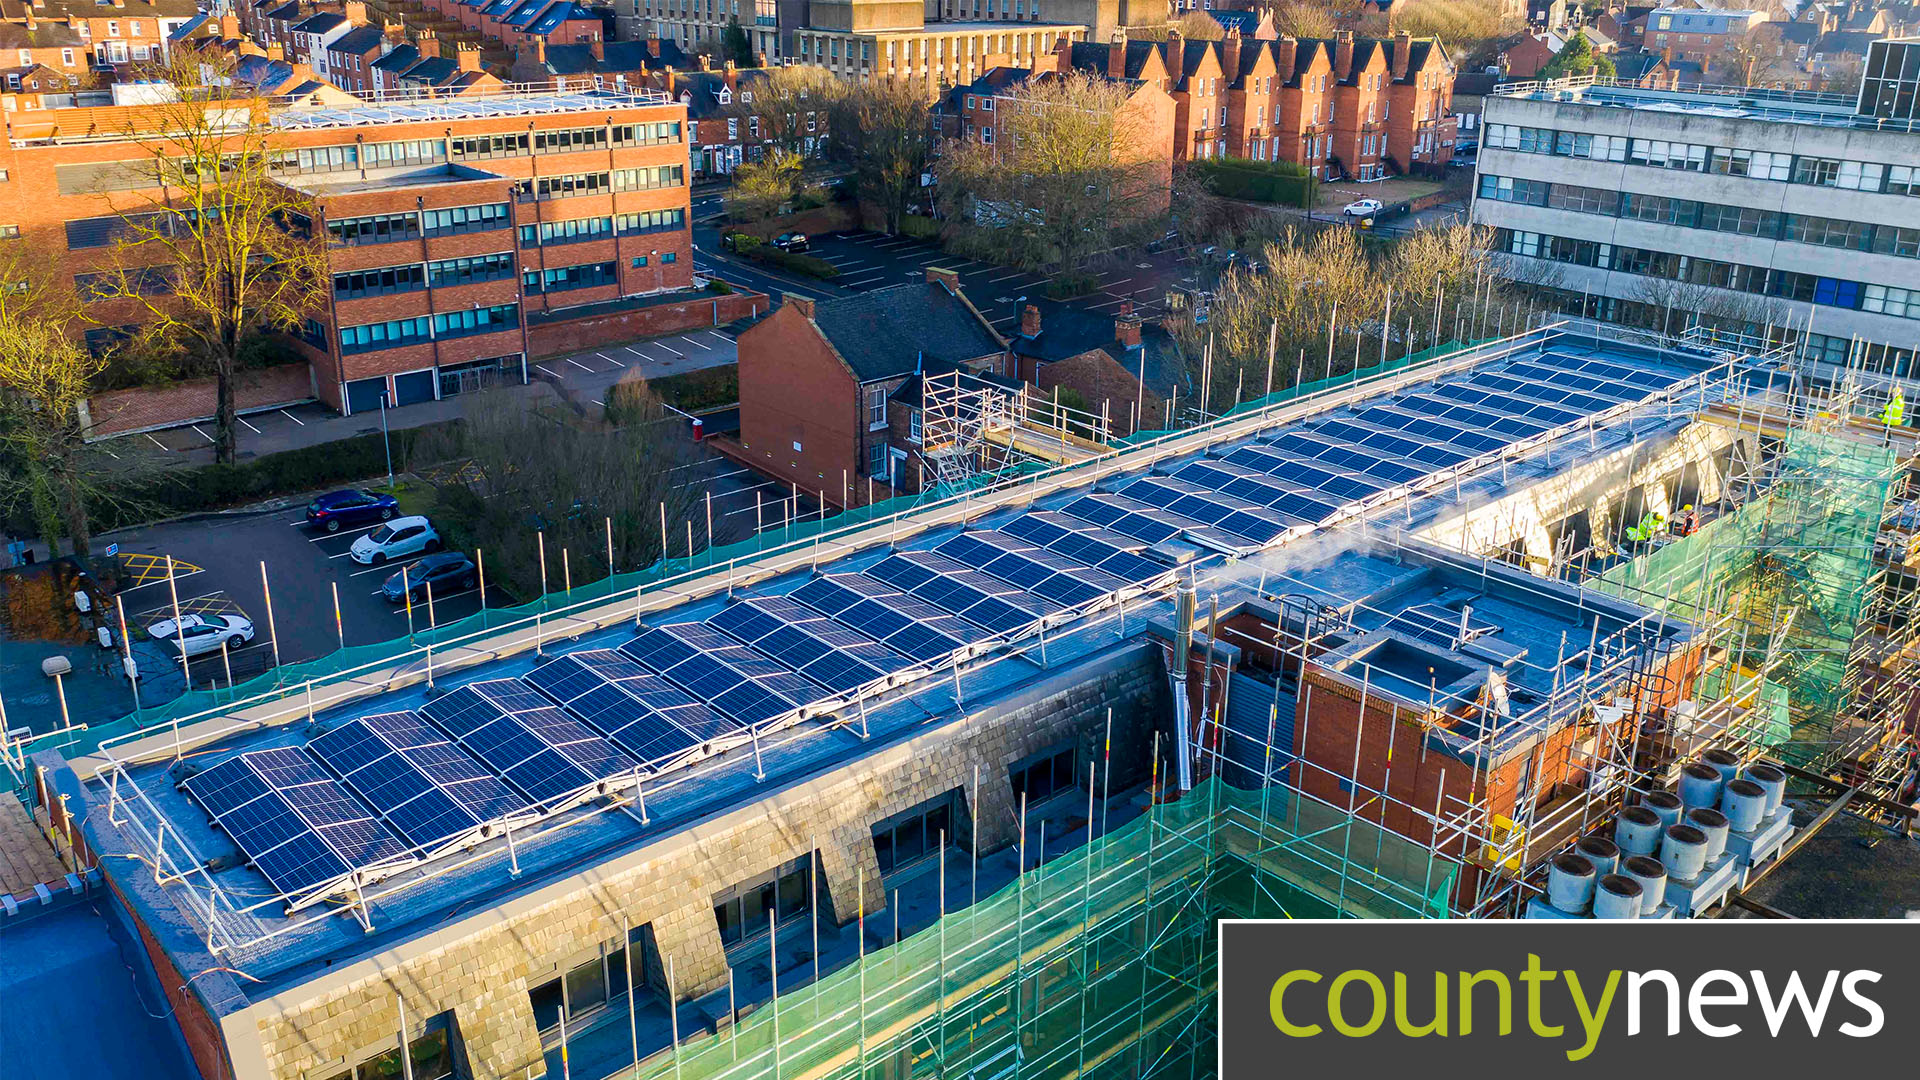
(118, 412)
(575, 335)
(795, 390)
(481, 969)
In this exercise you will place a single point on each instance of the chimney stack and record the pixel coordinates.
(653, 45)
(667, 81)
(1030, 321)
(1176, 57)
(730, 75)
(949, 279)
(1230, 57)
(276, 51)
(540, 53)
(302, 74)
(598, 48)
(1126, 327)
(1402, 45)
(801, 304)
(1285, 51)
(1116, 54)
(468, 56)
(356, 12)
(396, 32)
(428, 44)
(1342, 55)
(229, 26)
(706, 62)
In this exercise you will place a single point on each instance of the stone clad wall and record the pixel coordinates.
(483, 967)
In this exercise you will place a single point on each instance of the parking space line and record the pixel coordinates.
(607, 358)
(292, 417)
(579, 365)
(249, 427)
(1006, 277)
(158, 443)
(548, 370)
(343, 532)
(691, 344)
(202, 434)
(857, 282)
(387, 567)
(722, 338)
(418, 605)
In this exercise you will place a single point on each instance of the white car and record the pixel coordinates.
(163, 629)
(207, 634)
(395, 539)
(1364, 208)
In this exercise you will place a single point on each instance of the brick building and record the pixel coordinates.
(1120, 366)
(829, 389)
(44, 58)
(115, 33)
(447, 222)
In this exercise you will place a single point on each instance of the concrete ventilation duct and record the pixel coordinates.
(1684, 852)
(1700, 785)
(1666, 806)
(1603, 853)
(1637, 830)
(1652, 877)
(1744, 803)
(1726, 762)
(1570, 884)
(1618, 897)
(1713, 824)
(1774, 780)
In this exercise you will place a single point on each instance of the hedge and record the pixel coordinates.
(919, 228)
(214, 487)
(760, 251)
(1261, 181)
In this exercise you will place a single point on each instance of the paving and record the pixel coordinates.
(26, 859)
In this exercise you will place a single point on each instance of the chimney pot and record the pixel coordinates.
(276, 51)
(428, 44)
(706, 62)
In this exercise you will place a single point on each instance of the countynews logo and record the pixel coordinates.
(1720, 1003)
(1367, 998)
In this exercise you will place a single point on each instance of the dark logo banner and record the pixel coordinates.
(1359, 997)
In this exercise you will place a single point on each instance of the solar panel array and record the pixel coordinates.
(505, 746)
(295, 823)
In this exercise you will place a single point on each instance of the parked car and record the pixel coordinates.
(792, 241)
(210, 633)
(447, 573)
(163, 629)
(397, 538)
(1363, 208)
(339, 508)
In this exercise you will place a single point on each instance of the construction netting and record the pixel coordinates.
(1794, 568)
(1101, 963)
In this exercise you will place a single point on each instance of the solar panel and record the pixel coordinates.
(642, 711)
(426, 787)
(979, 598)
(1033, 568)
(738, 681)
(902, 622)
(540, 750)
(295, 824)
(823, 650)
(1081, 540)
(1235, 515)
(1295, 502)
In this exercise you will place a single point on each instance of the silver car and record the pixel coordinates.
(209, 632)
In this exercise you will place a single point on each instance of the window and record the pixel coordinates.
(562, 187)
(877, 459)
(1596, 147)
(375, 229)
(582, 990)
(1584, 200)
(452, 324)
(1658, 208)
(1758, 164)
(573, 231)
(563, 278)
(1507, 189)
(478, 147)
(780, 894)
(1891, 301)
(454, 220)
(385, 335)
(913, 425)
(466, 271)
(876, 407)
(649, 221)
(1887, 240)
(382, 281)
(1040, 777)
(430, 1058)
(662, 176)
(906, 838)
(1903, 179)
(1662, 154)
(1744, 220)
(9, 232)
(1827, 232)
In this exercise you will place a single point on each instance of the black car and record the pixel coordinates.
(340, 508)
(448, 572)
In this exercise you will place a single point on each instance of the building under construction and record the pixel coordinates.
(1570, 624)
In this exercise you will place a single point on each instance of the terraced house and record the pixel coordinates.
(459, 229)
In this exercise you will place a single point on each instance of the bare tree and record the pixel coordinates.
(885, 138)
(761, 188)
(214, 248)
(527, 468)
(1067, 169)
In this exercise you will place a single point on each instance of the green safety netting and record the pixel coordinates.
(1100, 963)
(1801, 555)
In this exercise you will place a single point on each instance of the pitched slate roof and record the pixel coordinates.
(400, 59)
(320, 22)
(620, 56)
(894, 331)
(432, 71)
(1092, 56)
(358, 41)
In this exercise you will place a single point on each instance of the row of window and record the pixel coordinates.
(1760, 280)
(1745, 220)
(564, 140)
(447, 324)
(321, 159)
(386, 280)
(1698, 157)
(563, 278)
(568, 185)
(577, 230)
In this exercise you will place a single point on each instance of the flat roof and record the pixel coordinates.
(715, 702)
(399, 107)
(1731, 103)
(388, 179)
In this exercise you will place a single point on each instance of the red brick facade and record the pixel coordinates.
(588, 331)
(800, 414)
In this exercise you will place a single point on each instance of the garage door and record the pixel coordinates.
(1251, 707)
(413, 387)
(363, 395)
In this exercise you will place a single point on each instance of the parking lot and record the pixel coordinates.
(591, 373)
